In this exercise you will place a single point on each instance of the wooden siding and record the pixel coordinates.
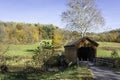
(71, 49)
(70, 53)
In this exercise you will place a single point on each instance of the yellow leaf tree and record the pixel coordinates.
(57, 38)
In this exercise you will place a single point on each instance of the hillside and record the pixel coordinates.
(109, 36)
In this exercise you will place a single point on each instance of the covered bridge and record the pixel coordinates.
(84, 49)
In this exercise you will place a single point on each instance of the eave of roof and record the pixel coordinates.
(73, 43)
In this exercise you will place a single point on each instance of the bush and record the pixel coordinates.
(4, 68)
(52, 61)
(117, 63)
(114, 54)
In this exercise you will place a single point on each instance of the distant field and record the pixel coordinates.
(20, 54)
(109, 44)
(21, 50)
(25, 51)
(105, 49)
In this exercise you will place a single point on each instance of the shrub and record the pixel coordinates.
(52, 61)
(114, 54)
(4, 68)
(117, 63)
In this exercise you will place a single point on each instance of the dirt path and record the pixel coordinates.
(100, 73)
(103, 73)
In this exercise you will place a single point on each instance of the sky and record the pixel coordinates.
(49, 11)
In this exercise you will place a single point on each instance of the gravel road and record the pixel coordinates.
(101, 73)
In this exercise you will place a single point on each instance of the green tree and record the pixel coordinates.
(82, 16)
(75, 35)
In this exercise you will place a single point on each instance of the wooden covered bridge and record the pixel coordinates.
(84, 49)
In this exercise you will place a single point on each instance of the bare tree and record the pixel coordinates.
(82, 16)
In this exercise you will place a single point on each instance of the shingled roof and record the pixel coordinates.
(75, 42)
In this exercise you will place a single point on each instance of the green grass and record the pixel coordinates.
(105, 49)
(21, 50)
(24, 50)
(20, 54)
(103, 53)
(108, 44)
(76, 73)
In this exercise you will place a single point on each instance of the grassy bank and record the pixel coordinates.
(105, 49)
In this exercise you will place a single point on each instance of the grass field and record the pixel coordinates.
(24, 53)
(19, 54)
(21, 50)
(105, 49)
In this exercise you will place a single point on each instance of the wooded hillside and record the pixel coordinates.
(109, 36)
(25, 33)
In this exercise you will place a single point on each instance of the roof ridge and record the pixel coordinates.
(75, 42)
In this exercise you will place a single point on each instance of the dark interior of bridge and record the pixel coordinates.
(85, 53)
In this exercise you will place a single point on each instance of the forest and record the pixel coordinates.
(26, 33)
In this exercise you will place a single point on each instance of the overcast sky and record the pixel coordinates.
(49, 11)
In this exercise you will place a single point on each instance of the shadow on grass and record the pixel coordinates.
(30, 50)
(14, 76)
(21, 73)
(87, 78)
(30, 73)
(26, 76)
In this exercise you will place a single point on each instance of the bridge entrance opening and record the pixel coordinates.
(85, 54)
